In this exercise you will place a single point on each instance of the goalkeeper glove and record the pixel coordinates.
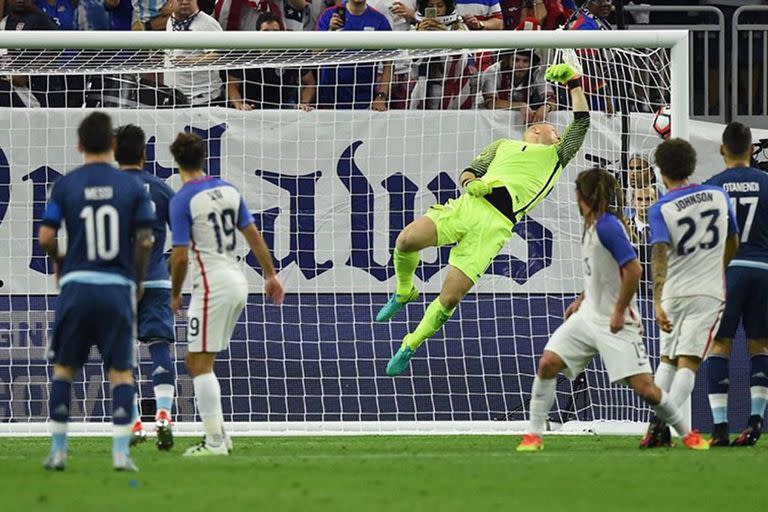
(477, 188)
(561, 73)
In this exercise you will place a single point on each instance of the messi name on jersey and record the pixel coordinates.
(98, 193)
(690, 200)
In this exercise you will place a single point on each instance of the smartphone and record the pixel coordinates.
(430, 12)
(342, 13)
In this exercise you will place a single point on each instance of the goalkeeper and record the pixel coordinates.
(505, 182)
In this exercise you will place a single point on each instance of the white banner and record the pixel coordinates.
(330, 189)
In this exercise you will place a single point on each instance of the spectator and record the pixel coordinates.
(549, 14)
(62, 12)
(151, 14)
(270, 87)
(23, 90)
(243, 14)
(354, 86)
(120, 14)
(515, 82)
(92, 15)
(401, 15)
(480, 14)
(593, 15)
(197, 87)
(443, 82)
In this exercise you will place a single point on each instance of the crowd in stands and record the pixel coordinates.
(493, 80)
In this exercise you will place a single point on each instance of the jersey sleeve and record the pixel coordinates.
(144, 213)
(611, 233)
(479, 166)
(733, 224)
(243, 215)
(181, 220)
(168, 194)
(53, 210)
(659, 230)
(573, 137)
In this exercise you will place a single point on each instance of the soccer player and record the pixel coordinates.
(693, 237)
(505, 182)
(108, 217)
(603, 319)
(746, 282)
(205, 215)
(154, 315)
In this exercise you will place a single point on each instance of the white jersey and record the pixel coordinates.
(695, 222)
(206, 215)
(199, 87)
(605, 249)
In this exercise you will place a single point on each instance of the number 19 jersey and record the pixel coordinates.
(205, 215)
(695, 221)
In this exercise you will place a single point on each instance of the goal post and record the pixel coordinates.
(330, 189)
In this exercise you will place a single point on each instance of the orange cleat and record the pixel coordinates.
(138, 434)
(695, 441)
(531, 443)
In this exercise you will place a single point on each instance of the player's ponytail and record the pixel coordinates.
(601, 192)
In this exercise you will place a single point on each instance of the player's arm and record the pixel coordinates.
(576, 132)
(661, 241)
(49, 228)
(732, 242)
(574, 306)
(181, 226)
(142, 250)
(470, 176)
(272, 286)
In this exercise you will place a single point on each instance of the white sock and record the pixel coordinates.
(542, 398)
(670, 414)
(208, 395)
(664, 375)
(682, 385)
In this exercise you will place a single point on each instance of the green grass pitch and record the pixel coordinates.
(361, 474)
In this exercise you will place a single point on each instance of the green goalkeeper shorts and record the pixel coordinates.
(478, 229)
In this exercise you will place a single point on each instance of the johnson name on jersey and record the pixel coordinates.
(695, 221)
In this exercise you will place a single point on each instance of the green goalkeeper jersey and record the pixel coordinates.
(528, 171)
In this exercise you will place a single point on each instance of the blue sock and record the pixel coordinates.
(59, 403)
(163, 374)
(758, 383)
(717, 387)
(122, 398)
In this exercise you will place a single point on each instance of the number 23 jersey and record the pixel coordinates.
(695, 220)
(206, 215)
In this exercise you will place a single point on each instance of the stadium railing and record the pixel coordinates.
(707, 65)
(749, 71)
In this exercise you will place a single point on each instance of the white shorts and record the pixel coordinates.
(694, 322)
(213, 312)
(579, 340)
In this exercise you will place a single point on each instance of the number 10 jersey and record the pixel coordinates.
(695, 220)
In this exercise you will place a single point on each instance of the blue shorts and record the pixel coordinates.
(93, 314)
(746, 300)
(155, 318)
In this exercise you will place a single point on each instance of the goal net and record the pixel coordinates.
(330, 188)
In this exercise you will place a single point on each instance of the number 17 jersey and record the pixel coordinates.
(206, 215)
(695, 221)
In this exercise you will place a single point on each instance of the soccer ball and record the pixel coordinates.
(662, 122)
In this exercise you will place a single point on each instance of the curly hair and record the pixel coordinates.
(600, 191)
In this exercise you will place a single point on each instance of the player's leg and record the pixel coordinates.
(155, 326)
(59, 404)
(211, 323)
(455, 287)
(756, 327)
(418, 235)
(718, 379)
(665, 409)
(115, 335)
(737, 294)
(569, 351)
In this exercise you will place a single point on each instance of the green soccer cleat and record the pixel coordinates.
(395, 304)
(399, 361)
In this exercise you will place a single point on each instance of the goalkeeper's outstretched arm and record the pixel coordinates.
(574, 134)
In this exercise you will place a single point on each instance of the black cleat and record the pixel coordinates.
(164, 431)
(751, 434)
(720, 436)
(657, 436)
